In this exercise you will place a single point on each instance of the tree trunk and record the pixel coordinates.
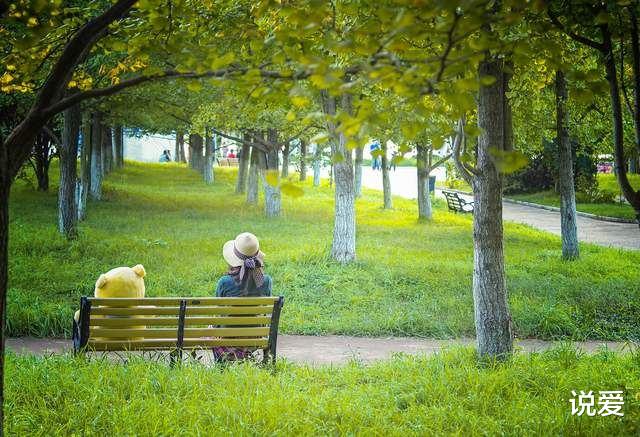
(67, 208)
(285, 160)
(358, 171)
(632, 196)
(317, 157)
(5, 185)
(303, 160)
(568, 225)
(41, 160)
(386, 181)
(107, 150)
(196, 160)
(492, 317)
(118, 138)
(243, 166)
(208, 160)
(343, 248)
(83, 186)
(272, 195)
(423, 168)
(253, 179)
(95, 186)
(176, 151)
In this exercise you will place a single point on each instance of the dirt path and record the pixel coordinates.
(332, 349)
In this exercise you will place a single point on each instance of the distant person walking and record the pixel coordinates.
(166, 156)
(376, 163)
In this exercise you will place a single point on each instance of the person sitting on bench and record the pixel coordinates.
(245, 278)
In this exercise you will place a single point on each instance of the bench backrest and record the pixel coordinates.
(229, 162)
(453, 201)
(176, 323)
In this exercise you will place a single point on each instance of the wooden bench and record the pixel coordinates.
(176, 324)
(457, 203)
(229, 162)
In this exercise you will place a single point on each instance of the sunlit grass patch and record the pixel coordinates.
(445, 394)
(410, 278)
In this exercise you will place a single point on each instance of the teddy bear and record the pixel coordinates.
(120, 282)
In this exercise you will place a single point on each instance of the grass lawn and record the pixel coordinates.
(448, 394)
(606, 182)
(410, 278)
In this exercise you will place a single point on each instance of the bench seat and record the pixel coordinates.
(177, 324)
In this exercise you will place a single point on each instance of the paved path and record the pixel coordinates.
(331, 349)
(623, 235)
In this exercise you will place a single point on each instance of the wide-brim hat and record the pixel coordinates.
(245, 243)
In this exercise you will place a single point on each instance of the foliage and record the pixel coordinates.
(410, 278)
(449, 393)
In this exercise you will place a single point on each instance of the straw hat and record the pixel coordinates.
(245, 243)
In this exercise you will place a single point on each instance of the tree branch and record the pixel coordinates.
(581, 39)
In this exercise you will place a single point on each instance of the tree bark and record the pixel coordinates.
(243, 166)
(67, 207)
(317, 158)
(423, 169)
(303, 160)
(253, 179)
(82, 189)
(492, 316)
(272, 195)
(285, 160)
(208, 160)
(196, 160)
(118, 146)
(386, 180)
(5, 186)
(568, 225)
(632, 196)
(95, 186)
(343, 248)
(107, 150)
(358, 171)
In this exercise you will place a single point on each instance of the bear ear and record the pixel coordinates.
(102, 281)
(139, 269)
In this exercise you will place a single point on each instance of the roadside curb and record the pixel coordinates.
(554, 208)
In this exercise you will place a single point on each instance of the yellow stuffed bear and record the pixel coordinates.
(120, 282)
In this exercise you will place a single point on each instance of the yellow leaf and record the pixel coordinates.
(291, 116)
(6, 78)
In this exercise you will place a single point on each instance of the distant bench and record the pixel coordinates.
(177, 324)
(228, 162)
(457, 203)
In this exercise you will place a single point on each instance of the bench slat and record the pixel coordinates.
(173, 311)
(175, 301)
(107, 345)
(169, 333)
(123, 322)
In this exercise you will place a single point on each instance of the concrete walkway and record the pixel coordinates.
(332, 349)
(622, 235)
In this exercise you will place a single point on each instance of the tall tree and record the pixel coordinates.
(209, 153)
(568, 225)
(386, 180)
(118, 145)
(243, 165)
(67, 206)
(492, 316)
(97, 172)
(82, 189)
(424, 166)
(254, 176)
(303, 160)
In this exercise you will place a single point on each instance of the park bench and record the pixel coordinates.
(228, 162)
(457, 203)
(176, 324)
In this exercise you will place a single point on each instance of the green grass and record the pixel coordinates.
(441, 395)
(606, 182)
(410, 278)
